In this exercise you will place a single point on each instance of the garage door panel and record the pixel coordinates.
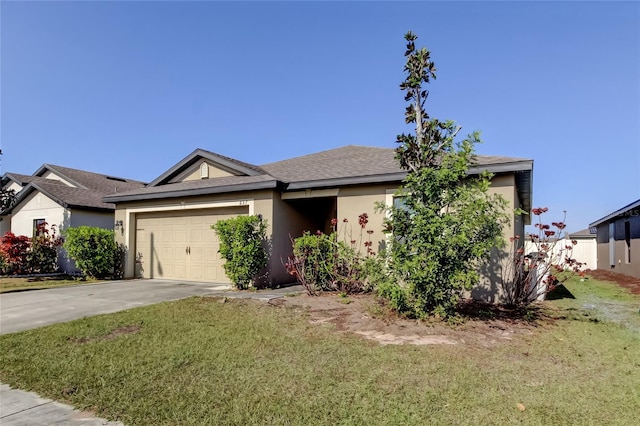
(182, 245)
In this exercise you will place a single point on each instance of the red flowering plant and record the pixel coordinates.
(14, 252)
(45, 247)
(333, 262)
(539, 266)
(20, 254)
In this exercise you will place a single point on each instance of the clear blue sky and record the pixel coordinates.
(130, 88)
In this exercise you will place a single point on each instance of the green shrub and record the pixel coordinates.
(314, 261)
(242, 245)
(321, 262)
(92, 249)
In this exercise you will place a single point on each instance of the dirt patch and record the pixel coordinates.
(626, 281)
(365, 315)
(128, 329)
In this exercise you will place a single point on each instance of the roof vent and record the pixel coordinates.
(204, 171)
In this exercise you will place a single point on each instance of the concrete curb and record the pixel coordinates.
(20, 408)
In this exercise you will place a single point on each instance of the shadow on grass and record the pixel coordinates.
(560, 292)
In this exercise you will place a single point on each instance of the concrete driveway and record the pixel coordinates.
(25, 310)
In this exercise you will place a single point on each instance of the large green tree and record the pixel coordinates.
(446, 222)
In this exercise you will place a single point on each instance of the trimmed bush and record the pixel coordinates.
(242, 245)
(93, 250)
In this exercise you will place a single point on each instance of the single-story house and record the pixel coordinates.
(586, 251)
(167, 224)
(618, 239)
(63, 197)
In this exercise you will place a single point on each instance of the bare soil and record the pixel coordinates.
(632, 283)
(129, 329)
(481, 324)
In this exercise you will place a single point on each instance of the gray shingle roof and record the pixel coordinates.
(347, 165)
(89, 191)
(17, 177)
(583, 233)
(95, 181)
(347, 161)
(354, 161)
(72, 197)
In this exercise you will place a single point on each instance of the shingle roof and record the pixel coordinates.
(88, 192)
(17, 177)
(347, 165)
(353, 161)
(583, 233)
(68, 196)
(104, 184)
(348, 161)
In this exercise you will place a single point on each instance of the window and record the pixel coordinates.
(204, 171)
(38, 227)
(627, 241)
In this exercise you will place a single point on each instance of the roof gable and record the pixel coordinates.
(188, 166)
(104, 184)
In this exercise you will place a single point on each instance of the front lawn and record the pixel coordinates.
(9, 284)
(214, 361)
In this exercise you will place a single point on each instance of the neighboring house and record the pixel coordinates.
(11, 182)
(584, 251)
(167, 225)
(62, 197)
(618, 237)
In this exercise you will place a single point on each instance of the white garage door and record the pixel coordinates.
(182, 245)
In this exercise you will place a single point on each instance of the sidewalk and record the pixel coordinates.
(21, 408)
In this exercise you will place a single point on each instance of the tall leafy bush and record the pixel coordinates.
(449, 222)
(92, 249)
(242, 245)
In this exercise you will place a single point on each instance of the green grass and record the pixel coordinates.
(200, 361)
(9, 284)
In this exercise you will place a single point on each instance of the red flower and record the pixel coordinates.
(334, 222)
(345, 220)
(363, 219)
(559, 225)
(370, 231)
(549, 233)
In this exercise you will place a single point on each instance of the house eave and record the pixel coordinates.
(191, 192)
(345, 181)
(615, 214)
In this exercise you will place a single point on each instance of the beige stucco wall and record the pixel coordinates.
(259, 202)
(51, 175)
(16, 187)
(214, 172)
(37, 206)
(100, 219)
(354, 201)
(490, 287)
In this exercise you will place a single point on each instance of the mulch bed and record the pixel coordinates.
(632, 283)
